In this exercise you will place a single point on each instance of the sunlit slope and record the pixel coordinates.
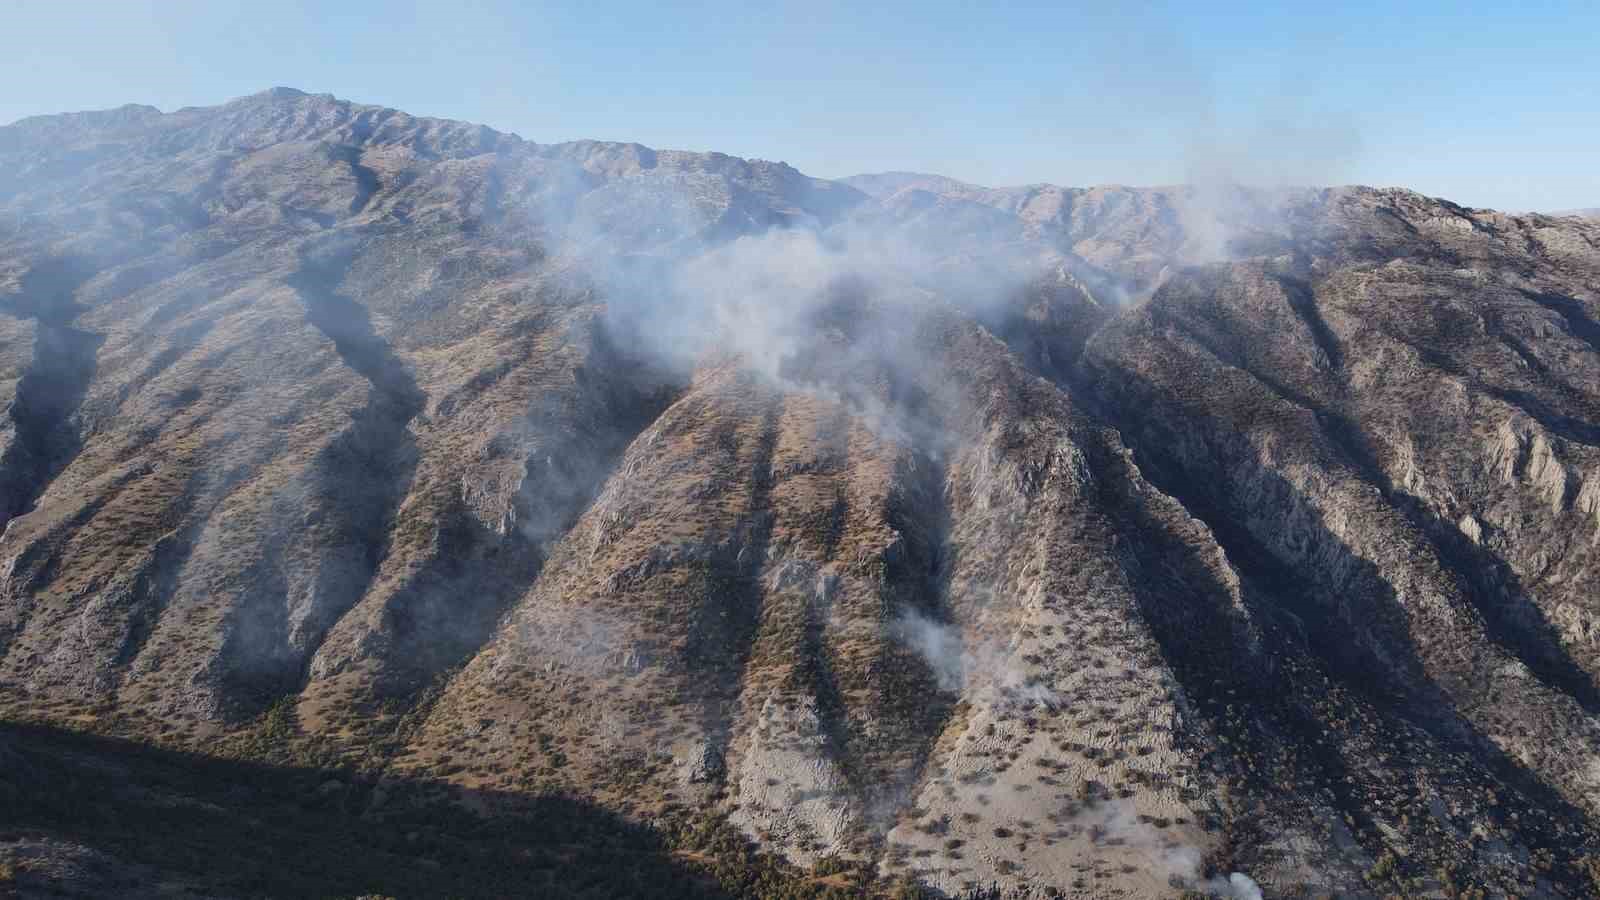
(1102, 541)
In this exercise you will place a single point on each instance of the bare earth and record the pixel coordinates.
(1244, 533)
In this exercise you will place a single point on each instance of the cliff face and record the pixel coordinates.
(1076, 541)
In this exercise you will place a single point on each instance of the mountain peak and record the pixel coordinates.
(1034, 541)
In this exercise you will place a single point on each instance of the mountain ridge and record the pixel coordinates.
(1073, 542)
(900, 178)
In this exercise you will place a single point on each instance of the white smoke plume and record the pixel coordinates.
(682, 281)
(986, 669)
(1169, 860)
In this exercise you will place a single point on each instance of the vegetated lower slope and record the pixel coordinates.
(700, 501)
(92, 817)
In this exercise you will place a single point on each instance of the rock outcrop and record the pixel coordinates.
(1069, 542)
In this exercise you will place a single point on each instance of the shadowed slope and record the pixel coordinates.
(1097, 542)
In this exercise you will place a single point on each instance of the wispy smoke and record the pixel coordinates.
(686, 269)
(939, 645)
(689, 273)
(1244, 887)
(986, 669)
(691, 264)
(1166, 858)
(986, 672)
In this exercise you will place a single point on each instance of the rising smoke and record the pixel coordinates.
(1171, 861)
(988, 674)
(688, 268)
(986, 671)
(682, 286)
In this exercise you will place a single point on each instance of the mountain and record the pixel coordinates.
(1592, 212)
(459, 514)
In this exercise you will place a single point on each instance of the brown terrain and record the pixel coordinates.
(393, 505)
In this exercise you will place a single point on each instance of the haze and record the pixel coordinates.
(1490, 108)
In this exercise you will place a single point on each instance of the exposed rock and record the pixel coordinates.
(1054, 539)
(702, 766)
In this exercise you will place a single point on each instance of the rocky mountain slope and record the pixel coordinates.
(892, 534)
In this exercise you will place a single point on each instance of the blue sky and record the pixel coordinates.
(1494, 106)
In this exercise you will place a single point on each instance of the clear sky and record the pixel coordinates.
(1494, 106)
